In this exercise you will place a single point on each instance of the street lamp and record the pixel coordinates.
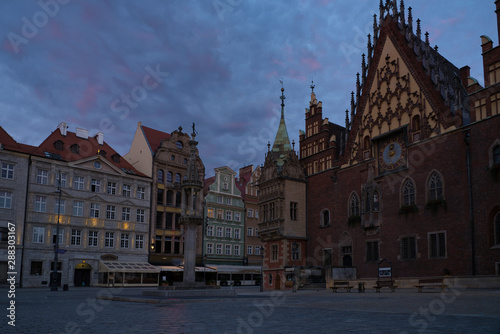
(261, 269)
(53, 286)
(295, 253)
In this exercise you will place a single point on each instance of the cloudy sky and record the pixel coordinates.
(105, 65)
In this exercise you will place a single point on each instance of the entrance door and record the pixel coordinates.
(82, 274)
(277, 282)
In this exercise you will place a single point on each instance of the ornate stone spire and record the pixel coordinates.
(281, 146)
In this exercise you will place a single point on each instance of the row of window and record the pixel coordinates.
(94, 210)
(409, 249)
(220, 214)
(169, 178)
(270, 211)
(250, 250)
(93, 238)
(232, 250)
(42, 177)
(171, 245)
(228, 232)
(169, 199)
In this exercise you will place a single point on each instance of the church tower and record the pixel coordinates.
(282, 218)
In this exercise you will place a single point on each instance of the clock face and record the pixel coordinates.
(392, 154)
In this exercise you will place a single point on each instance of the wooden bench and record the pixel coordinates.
(385, 284)
(431, 282)
(341, 285)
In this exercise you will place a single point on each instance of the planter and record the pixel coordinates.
(353, 220)
(406, 209)
(434, 204)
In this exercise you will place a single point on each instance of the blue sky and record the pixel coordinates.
(105, 65)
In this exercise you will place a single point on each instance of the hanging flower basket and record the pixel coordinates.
(406, 209)
(353, 220)
(434, 204)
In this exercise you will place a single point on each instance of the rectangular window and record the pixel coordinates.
(220, 214)
(110, 212)
(93, 239)
(94, 210)
(126, 190)
(36, 268)
(40, 203)
(256, 214)
(295, 251)
(141, 192)
(229, 200)
(293, 210)
(229, 215)
(257, 250)
(210, 231)
(95, 186)
(237, 216)
(228, 232)
(124, 240)
(109, 240)
(7, 171)
(78, 183)
(126, 214)
(78, 208)
(408, 248)
(64, 179)
(218, 249)
(250, 231)
(210, 212)
(60, 236)
(5, 200)
(437, 245)
(219, 199)
(228, 250)
(249, 250)
(59, 205)
(139, 241)
(237, 233)
(274, 252)
(210, 248)
(219, 231)
(236, 250)
(111, 190)
(76, 237)
(42, 176)
(250, 213)
(141, 215)
(372, 251)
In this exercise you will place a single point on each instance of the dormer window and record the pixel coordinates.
(59, 145)
(116, 157)
(179, 145)
(102, 153)
(75, 148)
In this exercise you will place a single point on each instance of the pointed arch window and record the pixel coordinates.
(366, 147)
(368, 202)
(409, 192)
(496, 155)
(325, 218)
(415, 127)
(435, 187)
(376, 204)
(354, 205)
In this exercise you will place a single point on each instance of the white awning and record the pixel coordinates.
(136, 267)
(181, 268)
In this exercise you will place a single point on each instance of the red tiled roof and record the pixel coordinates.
(208, 182)
(154, 137)
(87, 148)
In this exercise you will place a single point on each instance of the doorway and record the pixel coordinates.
(277, 282)
(82, 274)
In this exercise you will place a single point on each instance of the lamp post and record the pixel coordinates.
(295, 252)
(53, 286)
(261, 269)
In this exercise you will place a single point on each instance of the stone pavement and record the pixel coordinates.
(80, 311)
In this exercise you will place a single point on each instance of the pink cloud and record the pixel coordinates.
(88, 99)
(312, 63)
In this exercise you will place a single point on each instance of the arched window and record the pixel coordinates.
(435, 187)
(177, 178)
(415, 123)
(354, 205)
(376, 206)
(178, 199)
(325, 218)
(496, 155)
(366, 147)
(408, 192)
(497, 228)
(169, 177)
(160, 176)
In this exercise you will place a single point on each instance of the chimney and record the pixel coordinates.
(100, 138)
(63, 126)
(82, 133)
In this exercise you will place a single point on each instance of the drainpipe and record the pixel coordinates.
(471, 204)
